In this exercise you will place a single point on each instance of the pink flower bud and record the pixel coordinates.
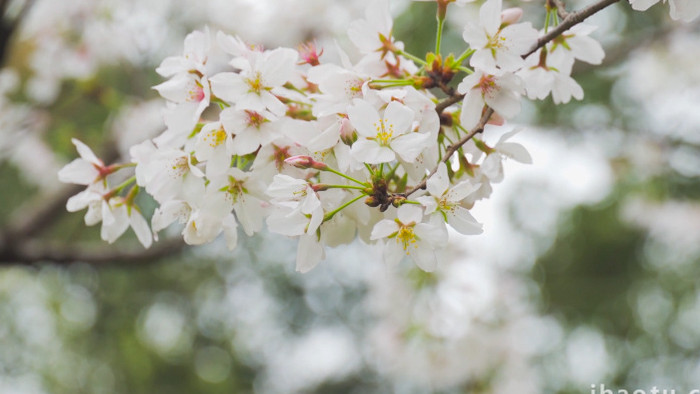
(511, 15)
(304, 162)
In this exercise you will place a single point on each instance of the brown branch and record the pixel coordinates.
(453, 148)
(39, 252)
(561, 9)
(572, 19)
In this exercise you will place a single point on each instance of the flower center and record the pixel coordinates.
(255, 119)
(215, 137)
(256, 85)
(384, 132)
(179, 167)
(406, 237)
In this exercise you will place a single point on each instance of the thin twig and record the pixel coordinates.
(453, 148)
(571, 19)
(561, 9)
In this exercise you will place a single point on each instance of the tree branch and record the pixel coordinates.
(572, 19)
(453, 148)
(38, 252)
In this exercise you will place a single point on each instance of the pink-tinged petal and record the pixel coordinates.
(141, 229)
(505, 102)
(309, 253)
(398, 117)
(85, 152)
(490, 16)
(367, 151)
(409, 146)
(461, 220)
(365, 118)
(439, 182)
(472, 108)
(79, 172)
(409, 213)
(383, 229)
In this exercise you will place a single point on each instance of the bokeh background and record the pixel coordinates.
(586, 274)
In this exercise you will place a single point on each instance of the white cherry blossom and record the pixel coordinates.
(407, 235)
(383, 137)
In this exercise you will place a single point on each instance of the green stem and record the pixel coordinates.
(464, 55)
(363, 188)
(123, 185)
(466, 70)
(346, 176)
(412, 57)
(369, 168)
(332, 213)
(438, 39)
(546, 21)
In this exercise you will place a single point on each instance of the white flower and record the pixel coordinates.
(194, 58)
(408, 236)
(502, 93)
(116, 215)
(292, 192)
(189, 95)
(244, 192)
(492, 165)
(372, 33)
(445, 201)
(543, 76)
(685, 10)
(214, 146)
(575, 43)
(86, 169)
(382, 138)
(498, 48)
(205, 216)
(261, 76)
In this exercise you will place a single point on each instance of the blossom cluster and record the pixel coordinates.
(328, 152)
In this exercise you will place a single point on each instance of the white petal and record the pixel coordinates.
(463, 221)
(367, 151)
(398, 117)
(140, 226)
(383, 229)
(309, 253)
(365, 118)
(409, 146)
